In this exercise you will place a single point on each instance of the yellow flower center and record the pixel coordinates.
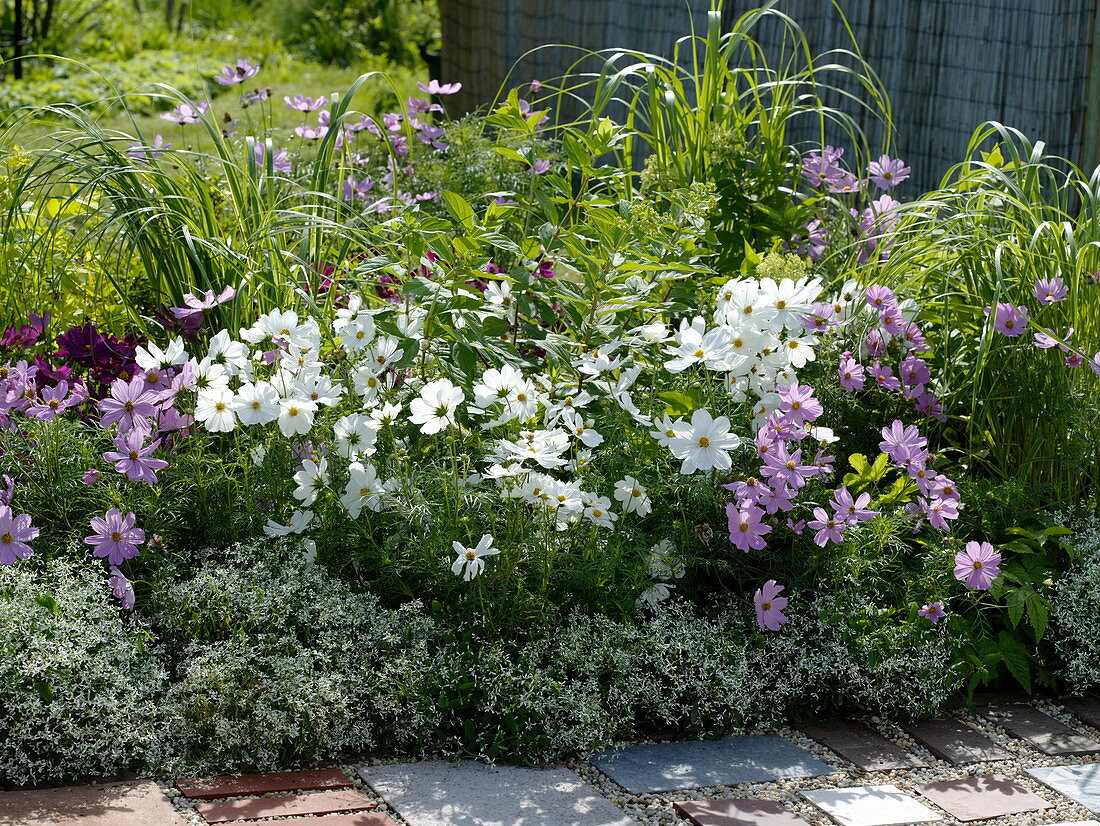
(704, 441)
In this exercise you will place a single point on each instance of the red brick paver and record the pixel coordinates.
(212, 788)
(322, 803)
(105, 804)
(982, 798)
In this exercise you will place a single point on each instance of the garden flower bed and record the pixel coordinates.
(417, 435)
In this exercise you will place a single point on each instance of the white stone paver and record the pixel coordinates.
(870, 806)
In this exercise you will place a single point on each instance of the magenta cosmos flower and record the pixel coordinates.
(132, 458)
(933, 611)
(852, 376)
(977, 566)
(116, 538)
(15, 533)
(769, 606)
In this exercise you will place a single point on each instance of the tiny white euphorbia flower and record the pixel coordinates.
(472, 559)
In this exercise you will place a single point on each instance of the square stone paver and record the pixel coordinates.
(747, 811)
(954, 741)
(1086, 708)
(468, 793)
(870, 806)
(1041, 730)
(106, 804)
(1079, 783)
(863, 746)
(982, 798)
(662, 767)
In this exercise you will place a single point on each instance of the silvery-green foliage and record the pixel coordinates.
(1075, 607)
(78, 683)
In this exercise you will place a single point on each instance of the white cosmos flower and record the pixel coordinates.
(599, 512)
(355, 436)
(543, 447)
(663, 563)
(799, 351)
(151, 357)
(667, 429)
(705, 444)
(385, 415)
(585, 434)
(384, 352)
(256, 403)
(214, 408)
(472, 560)
(296, 416)
(364, 489)
(317, 388)
(209, 375)
(298, 522)
(695, 345)
(435, 408)
(657, 592)
(792, 301)
(231, 354)
(632, 496)
(311, 480)
(357, 333)
(742, 305)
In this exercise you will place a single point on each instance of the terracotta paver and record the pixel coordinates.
(747, 811)
(1040, 730)
(954, 741)
(321, 803)
(863, 746)
(360, 819)
(982, 798)
(140, 803)
(212, 788)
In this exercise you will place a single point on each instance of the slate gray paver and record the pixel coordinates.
(1079, 783)
(1041, 730)
(982, 798)
(870, 806)
(862, 745)
(468, 793)
(663, 767)
(954, 741)
(1085, 708)
(742, 811)
(104, 804)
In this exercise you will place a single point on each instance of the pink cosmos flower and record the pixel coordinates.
(914, 338)
(915, 372)
(747, 531)
(53, 402)
(1009, 320)
(775, 499)
(829, 527)
(1050, 290)
(938, 511)
(798, 405)
(783, 466)
(186, 113)
(901, 441)
(90, 477)
(133, 459)
(194, 305)
(122, 588)
(852, 510)
(851, 373)
(434, 87)
(238, 72)
(130, 404)
(769, 606)
(875, 344)
(977, 566)
(884, 376)
(15, 533)
(305, 104)
(880, 298)
(933, 611)
(116, 538)
(748, 489)
(887, 172)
